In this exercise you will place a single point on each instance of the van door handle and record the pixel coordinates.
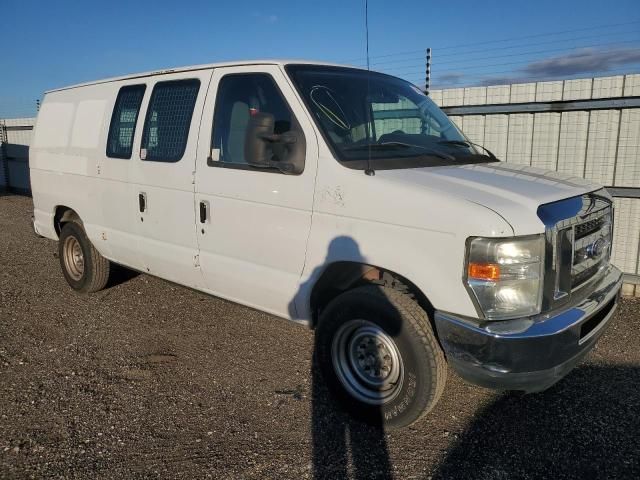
(204, 207)
(142, 201)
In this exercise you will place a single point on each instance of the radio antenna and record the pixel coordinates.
(369, 171)
(366, 27)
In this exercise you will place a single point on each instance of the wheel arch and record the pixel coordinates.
(340, 276)
(62, 215)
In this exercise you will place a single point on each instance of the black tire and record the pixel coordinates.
(94, 273)
(422, 382)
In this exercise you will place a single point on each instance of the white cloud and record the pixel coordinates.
(584, 61)
(266, 17)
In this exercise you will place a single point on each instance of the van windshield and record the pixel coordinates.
(369, 117)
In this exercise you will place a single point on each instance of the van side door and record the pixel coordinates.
(163, 176)
(253, 221)
(118, 219)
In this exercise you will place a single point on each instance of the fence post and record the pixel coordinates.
(427, 73)
(4, 162)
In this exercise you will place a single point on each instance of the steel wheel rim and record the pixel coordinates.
(73, 258)
(367, 362)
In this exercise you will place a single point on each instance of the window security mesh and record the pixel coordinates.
(123, 121)
(166, 128)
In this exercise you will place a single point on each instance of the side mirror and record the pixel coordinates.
(263, 148)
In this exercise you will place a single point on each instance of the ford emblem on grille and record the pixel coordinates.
(596, 249)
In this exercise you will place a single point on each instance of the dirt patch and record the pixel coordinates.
(150, 380)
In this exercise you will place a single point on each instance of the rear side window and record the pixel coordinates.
(166, 127)
(123, 121)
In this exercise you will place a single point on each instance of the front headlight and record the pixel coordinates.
(505, 275)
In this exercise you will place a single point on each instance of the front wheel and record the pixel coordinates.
(82, 265)
(379, 356)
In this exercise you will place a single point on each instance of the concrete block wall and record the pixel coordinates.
(600, 145)
(576, 89)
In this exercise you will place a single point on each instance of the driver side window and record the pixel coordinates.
(241, 97)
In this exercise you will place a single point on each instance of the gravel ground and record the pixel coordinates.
(150, 380)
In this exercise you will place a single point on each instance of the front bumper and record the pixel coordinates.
(529, 354)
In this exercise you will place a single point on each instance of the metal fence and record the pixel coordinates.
(3, 159)
(15, 138)
(586, 127)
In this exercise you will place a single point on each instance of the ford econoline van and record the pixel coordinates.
(338, 198)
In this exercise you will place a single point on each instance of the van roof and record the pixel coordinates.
(197, 67)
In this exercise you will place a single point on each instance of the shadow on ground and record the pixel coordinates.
(342, 446)
(587, 426)
(119, 275)
(12, 192)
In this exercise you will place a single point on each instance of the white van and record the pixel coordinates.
(339, 198)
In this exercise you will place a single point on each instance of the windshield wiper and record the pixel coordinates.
(466, 143)
(392, 145)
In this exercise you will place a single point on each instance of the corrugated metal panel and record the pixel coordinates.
(520, 138)
(3, 163)
(573, 142)
(21, 136)
(632, 85)
(626, 235)
(14, 168)
(601, 147)
(546, 134)
(578, 89)
(457, 121)
(19, 174)
(475, 96)
(605, 87)
(498, 94)
(436, 96)
(387, 125)
(495, 134)
(452, 97)
(20, 122)
(523, 93)
(549, 91)
(535, 107)
(474, 128)
(628, 162)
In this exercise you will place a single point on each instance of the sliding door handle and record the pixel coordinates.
(142, 201)
(204, 211)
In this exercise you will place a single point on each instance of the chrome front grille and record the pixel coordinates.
(579, 238)
(591, 246)
(587, 227)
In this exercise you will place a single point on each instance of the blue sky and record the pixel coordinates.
(48, 44)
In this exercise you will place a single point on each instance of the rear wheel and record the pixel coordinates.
(82, 265)
(379, 356)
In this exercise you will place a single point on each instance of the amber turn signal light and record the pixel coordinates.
(484, 271)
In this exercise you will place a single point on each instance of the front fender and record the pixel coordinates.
(433, 260)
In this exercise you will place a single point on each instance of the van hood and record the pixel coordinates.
(512, 191)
